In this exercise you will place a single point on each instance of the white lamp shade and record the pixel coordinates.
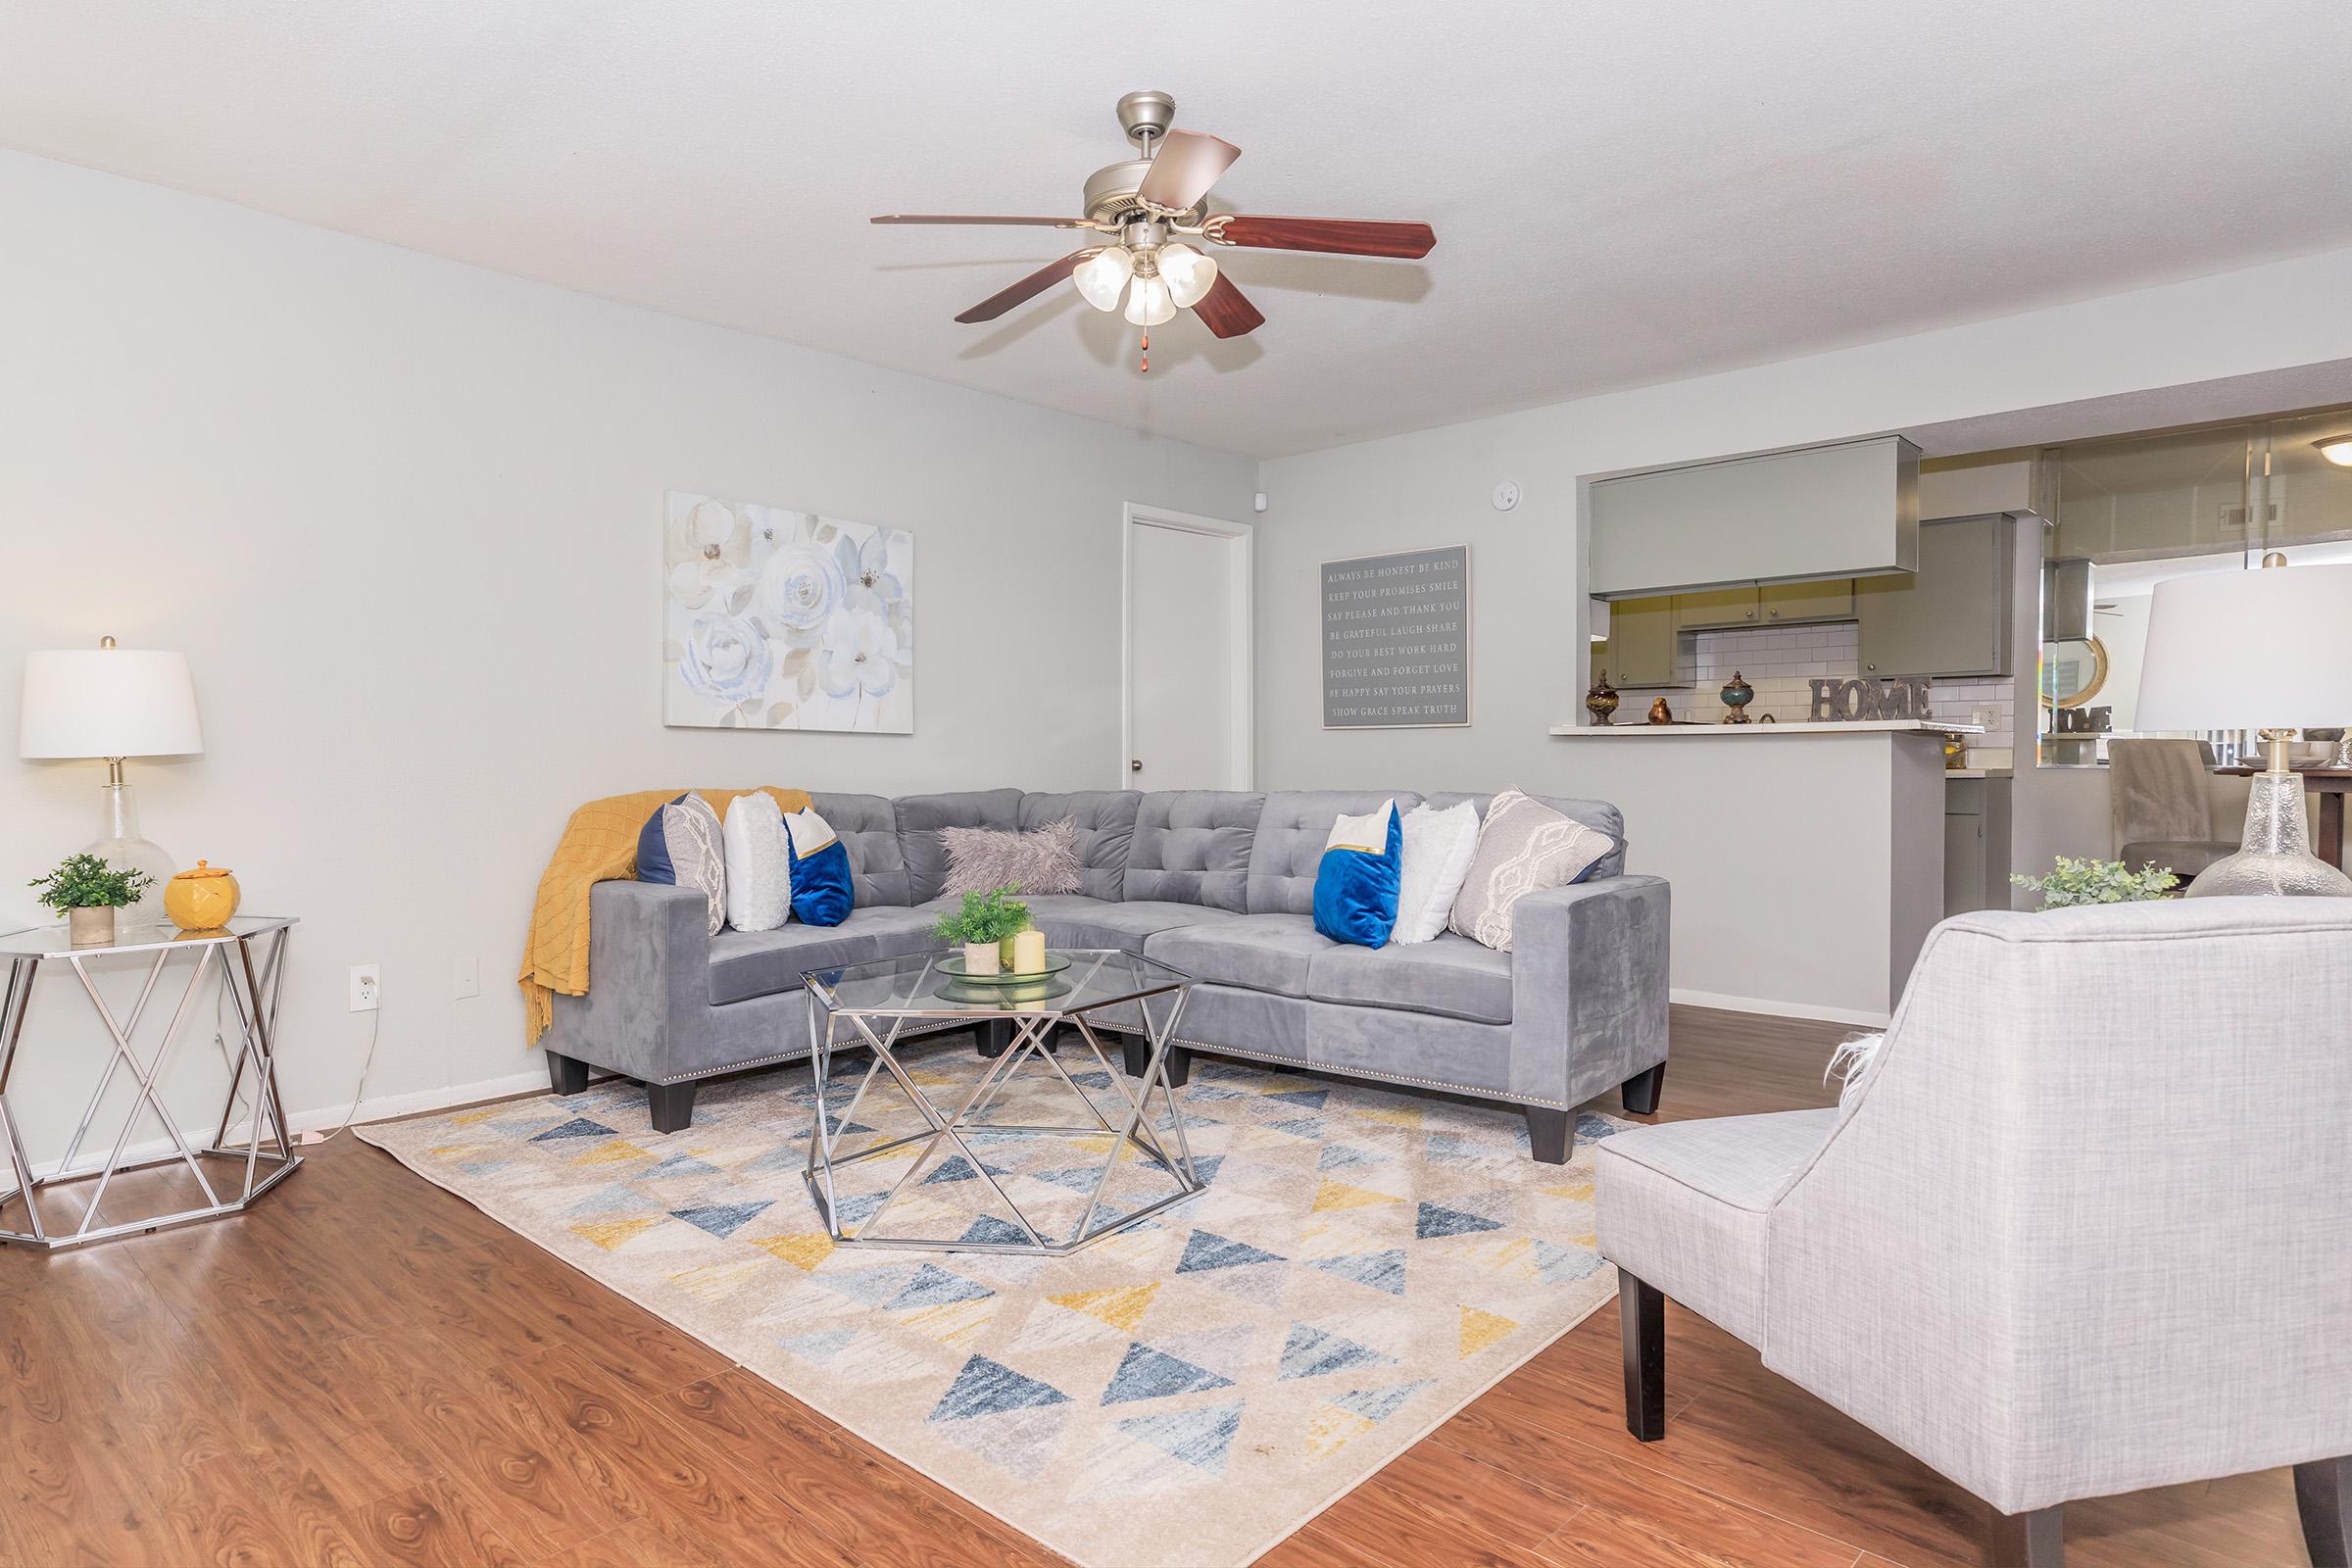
(2267, 649)
(108, 701)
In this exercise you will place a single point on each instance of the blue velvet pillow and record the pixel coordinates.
(1356, 882)
(821, 892)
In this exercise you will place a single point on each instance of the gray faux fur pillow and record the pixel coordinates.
(982, 859)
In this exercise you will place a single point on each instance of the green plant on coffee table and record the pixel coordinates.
(985, 917)
(2074, 882)
(86, 882)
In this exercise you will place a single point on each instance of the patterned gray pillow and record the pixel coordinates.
(982, 859)
(1524, 846)
(685, 845)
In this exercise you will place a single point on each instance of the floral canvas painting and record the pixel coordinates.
(781, 619)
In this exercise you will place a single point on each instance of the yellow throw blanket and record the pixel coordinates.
(599, 845)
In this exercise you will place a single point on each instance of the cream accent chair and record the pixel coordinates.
(2084, 1227)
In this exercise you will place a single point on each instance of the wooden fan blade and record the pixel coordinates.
(1028, 288)
(1226, 310)
(957, 217)
(1186, 165)
(1339, 236)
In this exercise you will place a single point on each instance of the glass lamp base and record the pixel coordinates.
(121, 846)
(2275, 858)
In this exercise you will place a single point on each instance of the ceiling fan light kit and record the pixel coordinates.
(1153, 212)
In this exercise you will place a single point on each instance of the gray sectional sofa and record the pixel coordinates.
(1218, 884)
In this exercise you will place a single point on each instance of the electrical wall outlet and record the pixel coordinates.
(366, 986)
(1988, 719)
(466, 979)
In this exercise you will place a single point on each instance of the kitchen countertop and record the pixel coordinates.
(1864, 726)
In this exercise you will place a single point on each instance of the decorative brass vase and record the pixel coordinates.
(1660, 714)
(1601, 701)
(1737, 695)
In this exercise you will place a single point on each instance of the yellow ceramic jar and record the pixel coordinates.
(201, 899)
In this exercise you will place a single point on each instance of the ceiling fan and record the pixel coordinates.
(1149, 207)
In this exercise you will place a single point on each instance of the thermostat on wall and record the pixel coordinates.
(1506, 496)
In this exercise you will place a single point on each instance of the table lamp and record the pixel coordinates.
(2269, 649)
(113, 703)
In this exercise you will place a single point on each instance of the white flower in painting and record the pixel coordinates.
(870, 570)
(859, 654)
(726, 659)
(707, 547)
(800, 588)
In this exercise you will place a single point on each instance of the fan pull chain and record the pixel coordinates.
(1147, 365)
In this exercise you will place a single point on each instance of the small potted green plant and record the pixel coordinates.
(87, 892)
(986, 925)
(2073, 882)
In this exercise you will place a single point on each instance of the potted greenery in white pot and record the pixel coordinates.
(986, 924)
(2073, 882)
(87, 892)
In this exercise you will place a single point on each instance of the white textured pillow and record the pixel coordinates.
(1524, 846)
(1438, 846)
(759, 863)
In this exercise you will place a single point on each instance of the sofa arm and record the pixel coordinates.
(1589, 980)
(649, 980)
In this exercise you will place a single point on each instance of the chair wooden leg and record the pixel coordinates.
(671, 1105)
(1641, 1330)
(568, 1075)
(1641, 1091)
(2323, 1498)
(1550, 1134)
(2036, 1540)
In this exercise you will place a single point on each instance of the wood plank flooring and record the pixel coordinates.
(366, 1370)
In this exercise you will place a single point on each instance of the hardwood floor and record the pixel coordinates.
(366, 1370)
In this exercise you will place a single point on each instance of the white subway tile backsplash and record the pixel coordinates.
(1782, 663)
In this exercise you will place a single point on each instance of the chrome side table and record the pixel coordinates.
(880, 1002)
(250, 954)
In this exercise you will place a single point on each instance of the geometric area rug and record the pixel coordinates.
(1362, 1265)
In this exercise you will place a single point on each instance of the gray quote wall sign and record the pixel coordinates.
(1397, 640)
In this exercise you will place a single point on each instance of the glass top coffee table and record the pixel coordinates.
(871, 1006)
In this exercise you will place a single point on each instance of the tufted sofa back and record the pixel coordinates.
(1192, 846)
(867, 825)
(1291, 831)
(1105, 823)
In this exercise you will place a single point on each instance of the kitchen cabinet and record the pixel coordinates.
(1716, 609)
(1788, 603)
(1976, 845)
(1642, 650)
(1951, 616)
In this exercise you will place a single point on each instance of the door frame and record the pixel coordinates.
(1240, 540)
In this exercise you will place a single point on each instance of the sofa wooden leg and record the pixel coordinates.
(671, 1104)
(1135, 1055)
(567, 1074)
(1550, 1134)
(993, 1038)
(2036, 1540)
(1641, 1091)
(1641, 1331)
(2323, 1498)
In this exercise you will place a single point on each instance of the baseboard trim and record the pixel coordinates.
(1861, 1017)
(383, 1107)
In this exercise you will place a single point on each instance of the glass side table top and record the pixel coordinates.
(916, 987)
(55, 941)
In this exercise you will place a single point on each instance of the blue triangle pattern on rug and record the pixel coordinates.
(485, 1167)
(1200, 1438)
(1148, 1374)
(990, 1388)
(1434, 1220)
(1309, 1352)
(1588, 1125)
(1347, 1157)
(935, 1286)
(989, 1228)
(1378, 1404)
(819, 1348)
(1206, 1249)
(1382, 1271)
(577, 1127)
(873, 1286)
(1303, 1099)
(1558, 1265)
(721, 1219)
(617, 1196)
(1307, 1127)
(679, 1165)
(1454, 1150)
(956, 1168)
(858, 1209)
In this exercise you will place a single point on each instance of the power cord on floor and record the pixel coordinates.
(375, 1026)
(313, 1138)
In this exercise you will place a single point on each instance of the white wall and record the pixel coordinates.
(403, 517)
(1528, 648)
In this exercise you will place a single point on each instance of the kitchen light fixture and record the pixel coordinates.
(2336, 449)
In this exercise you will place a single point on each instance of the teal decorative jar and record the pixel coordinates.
(1737, 695)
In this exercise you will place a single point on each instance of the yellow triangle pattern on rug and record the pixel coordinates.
(1359, 1266)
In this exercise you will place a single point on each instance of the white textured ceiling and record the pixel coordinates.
(1622, 193)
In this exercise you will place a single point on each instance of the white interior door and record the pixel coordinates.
(1188, 653)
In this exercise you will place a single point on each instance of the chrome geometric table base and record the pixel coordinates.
(947, 1129)
(254, 994)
